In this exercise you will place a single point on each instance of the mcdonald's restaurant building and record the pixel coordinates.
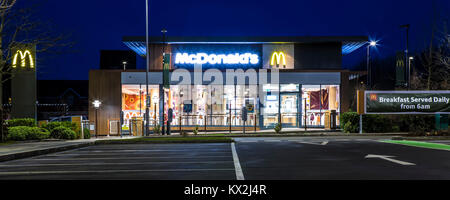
(312, 83)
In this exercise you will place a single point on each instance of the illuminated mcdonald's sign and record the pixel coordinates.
(23, 55)
(278, 58)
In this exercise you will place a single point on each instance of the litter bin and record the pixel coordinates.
(333, 117)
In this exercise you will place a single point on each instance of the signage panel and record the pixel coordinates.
(407, 102)
(217, 56)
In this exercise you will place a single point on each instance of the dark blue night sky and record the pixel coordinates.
(100, 24)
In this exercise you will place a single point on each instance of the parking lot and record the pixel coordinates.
(274, 158)
(130, 161)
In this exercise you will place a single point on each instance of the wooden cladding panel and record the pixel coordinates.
(105, 86)
(156, 56)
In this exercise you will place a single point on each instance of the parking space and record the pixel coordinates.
(130, 161)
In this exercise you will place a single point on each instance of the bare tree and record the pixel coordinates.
(6, 4)
(19, 26)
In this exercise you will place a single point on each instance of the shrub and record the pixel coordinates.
(62, 132)
(278, 128)
(51, 125)
(417, 124)
(196, 130)
(157, 129)
(21, 122)
(87, 133)
(351, 117)
(36, 133)
(349, 127)
(20, 133)
(371, 123)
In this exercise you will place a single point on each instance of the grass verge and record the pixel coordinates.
(420, 144)
(7, 143)
(161, 140)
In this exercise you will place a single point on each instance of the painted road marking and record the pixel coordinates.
(389, 158)
(153, 150)
(123, 154)
(420, 144)
(177, 157)
(237, 165)
(109, 171)
(320, 144)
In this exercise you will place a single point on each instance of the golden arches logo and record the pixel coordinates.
(278, 58)
(400, 63)
(23, 56)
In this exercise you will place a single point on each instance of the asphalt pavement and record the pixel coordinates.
(292, 158)
(129, 161)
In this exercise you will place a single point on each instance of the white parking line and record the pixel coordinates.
(153, 150)
(237, 165)
(123, 154)
(177, 157)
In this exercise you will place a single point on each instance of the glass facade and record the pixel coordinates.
(317, 100)
(222, 105)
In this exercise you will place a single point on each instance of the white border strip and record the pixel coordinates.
(237, 165)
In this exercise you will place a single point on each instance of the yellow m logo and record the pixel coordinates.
(278, 58)
(400, 63)
(23, 56)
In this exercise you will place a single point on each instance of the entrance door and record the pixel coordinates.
(289, 109)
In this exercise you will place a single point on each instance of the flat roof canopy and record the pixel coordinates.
(349, 43)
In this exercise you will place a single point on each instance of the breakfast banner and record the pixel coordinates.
(407, 102)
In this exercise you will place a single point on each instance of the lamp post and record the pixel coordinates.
(147, 99)
(124, 65)
(406, 26)
(369, 81)
(163, 131)
(96, 104)
(409, 71)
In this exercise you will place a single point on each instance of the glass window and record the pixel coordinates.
(319, 100)
(133, 105)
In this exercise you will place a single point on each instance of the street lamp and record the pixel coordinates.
(96, 104)
(147, 103)
(163, 31)
(370, 44)
(124, 65)
(406, 26)
(409, 71)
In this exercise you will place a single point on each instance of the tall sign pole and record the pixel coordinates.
(147, 105)
(406, 52)
(165, 79)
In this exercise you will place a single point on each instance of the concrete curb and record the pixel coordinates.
(27, 154)
(161, 142)
(285, 135)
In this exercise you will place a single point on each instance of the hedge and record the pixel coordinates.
(70, 125)
(20, 133)
(62, 132)
(371, 123)
(21, 122)
(417, 124)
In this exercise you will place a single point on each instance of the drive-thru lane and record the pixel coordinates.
(338, 158)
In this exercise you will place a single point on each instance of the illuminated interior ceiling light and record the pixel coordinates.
(278, 58)
(23, 57)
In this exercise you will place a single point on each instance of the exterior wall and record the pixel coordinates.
(105, 86)
(345, 92)
(320, 56)
(156, 56)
